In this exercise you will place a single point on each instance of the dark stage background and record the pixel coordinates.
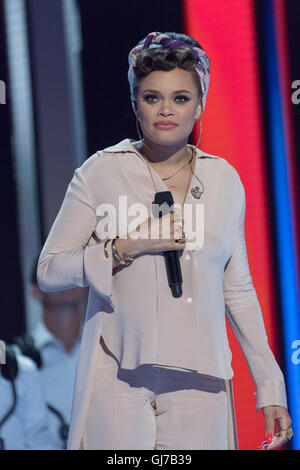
(108, 34)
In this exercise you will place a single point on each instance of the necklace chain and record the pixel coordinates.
(191, 171)
(196, 190)
(168, 177)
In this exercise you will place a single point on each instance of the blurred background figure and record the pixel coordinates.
(54, 346)
(24, 421)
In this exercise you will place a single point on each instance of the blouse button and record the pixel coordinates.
(189, 300)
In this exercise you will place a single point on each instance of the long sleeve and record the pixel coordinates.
(245, 318)
(70, 257)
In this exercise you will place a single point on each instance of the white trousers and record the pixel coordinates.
(154, 407)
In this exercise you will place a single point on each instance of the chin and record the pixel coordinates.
(167, 139)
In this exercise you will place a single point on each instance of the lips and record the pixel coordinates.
(166, 125)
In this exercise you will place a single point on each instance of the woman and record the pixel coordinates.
(154, 368)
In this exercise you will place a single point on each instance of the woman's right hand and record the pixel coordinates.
(165, 230)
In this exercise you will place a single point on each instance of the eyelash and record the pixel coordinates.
(146, 98)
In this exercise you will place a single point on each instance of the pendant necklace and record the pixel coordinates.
(196, 191)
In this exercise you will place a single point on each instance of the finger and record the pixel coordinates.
(177, 211)
(177, 215)
(269, 420)
(177, 231)
(278, 441)
(283, 421)
(179, 243)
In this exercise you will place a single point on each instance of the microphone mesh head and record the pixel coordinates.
(162, 204)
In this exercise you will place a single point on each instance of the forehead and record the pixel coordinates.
(167, 81)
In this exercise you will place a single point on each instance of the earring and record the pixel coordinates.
(139, 134)
(137, 128)
(200, 133)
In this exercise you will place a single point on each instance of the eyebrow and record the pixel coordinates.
(174, 92)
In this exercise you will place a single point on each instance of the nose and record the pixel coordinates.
(165, 109)
(166, 113)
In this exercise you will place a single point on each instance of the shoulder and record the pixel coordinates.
(25, 364)
(222, 165)
(231, 182)
(105, 159)
(28, 378)
(28, 373)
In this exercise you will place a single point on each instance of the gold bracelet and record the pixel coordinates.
(105, 247)
(128, 257)
(121, 260)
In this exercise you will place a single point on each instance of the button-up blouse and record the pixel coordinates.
(139, 319)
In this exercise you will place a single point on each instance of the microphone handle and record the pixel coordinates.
(174, 272)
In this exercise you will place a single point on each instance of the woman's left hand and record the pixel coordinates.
(279, 415)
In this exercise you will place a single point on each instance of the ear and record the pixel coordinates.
(198, 111)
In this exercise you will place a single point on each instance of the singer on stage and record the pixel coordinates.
(154, 370)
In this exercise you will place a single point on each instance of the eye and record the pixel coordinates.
(182, 98)
(150, 98)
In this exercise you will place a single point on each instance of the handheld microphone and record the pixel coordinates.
(164, 200)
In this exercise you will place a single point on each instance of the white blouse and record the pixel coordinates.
(132, 307)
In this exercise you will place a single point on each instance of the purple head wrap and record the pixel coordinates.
(156, 39)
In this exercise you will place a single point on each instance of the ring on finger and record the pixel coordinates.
(288, 432)
(183, 237)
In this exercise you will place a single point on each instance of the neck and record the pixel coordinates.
(64, 327)
(173, 155)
